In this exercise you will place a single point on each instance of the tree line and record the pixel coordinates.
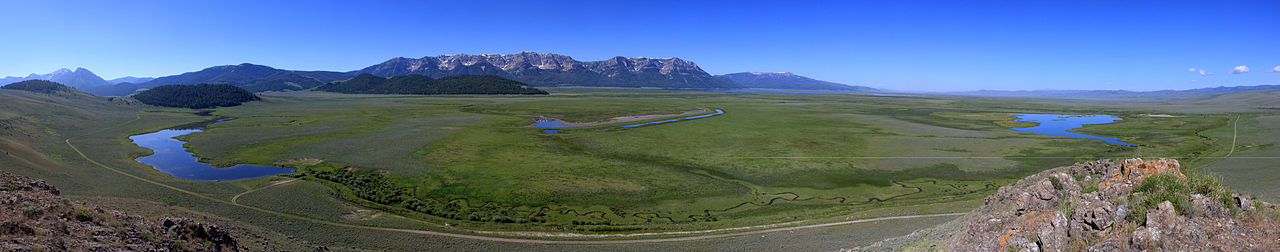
(196, 96)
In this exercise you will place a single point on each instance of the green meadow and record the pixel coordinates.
(474, 161)
(472, 165)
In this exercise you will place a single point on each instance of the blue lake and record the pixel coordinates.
(1057, 125)
(170, 157)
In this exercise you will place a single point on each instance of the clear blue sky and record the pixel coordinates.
(909, 45)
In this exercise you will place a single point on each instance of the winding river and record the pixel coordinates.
(172, 158)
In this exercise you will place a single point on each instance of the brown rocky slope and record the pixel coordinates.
(33, 217)
(1103, 205)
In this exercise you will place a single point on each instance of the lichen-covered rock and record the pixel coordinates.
(1243, 202)
(1209, 207)
(1092, 215)
(1162, 223)
(1050, 211)
(33, 218)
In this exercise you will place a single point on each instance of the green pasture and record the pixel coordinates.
(803, 152)
(449, 151)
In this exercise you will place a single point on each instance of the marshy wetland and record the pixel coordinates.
(473, 162)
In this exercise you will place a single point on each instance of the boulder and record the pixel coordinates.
(1091, 215)
(1209, 207)
(1243, 202)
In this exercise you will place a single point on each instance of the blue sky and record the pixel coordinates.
(906, 45)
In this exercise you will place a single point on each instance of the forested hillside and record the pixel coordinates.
(418, 84)
(196, 96)
(39, 86)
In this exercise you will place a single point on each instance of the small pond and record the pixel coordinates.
(551, 122)
(773, 91)
(718, 112)
(170, 157)
(1057, 125)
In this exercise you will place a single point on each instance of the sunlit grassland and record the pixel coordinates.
(478, 148)
(803, 152)
(1254, 167)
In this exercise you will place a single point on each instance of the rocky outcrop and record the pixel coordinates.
(33, 217)
(1089, 206)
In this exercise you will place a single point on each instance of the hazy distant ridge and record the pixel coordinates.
(1112, 94)
(785, 80)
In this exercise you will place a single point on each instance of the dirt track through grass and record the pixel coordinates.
(1235, 126)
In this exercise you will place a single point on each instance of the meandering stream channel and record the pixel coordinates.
(172, 158)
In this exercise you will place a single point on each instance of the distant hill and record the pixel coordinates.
(786, 80)
(130, 79)
(45, 87)
(80, 78)
(255, 78)
(196, 96)
(547, 69)
(1115, 94)
(419, 84)
(119, 89)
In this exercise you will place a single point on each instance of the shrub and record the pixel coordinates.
(1212, 187)
(1057, 185)
(83, 213)
(1091, 187)
(1159, 188)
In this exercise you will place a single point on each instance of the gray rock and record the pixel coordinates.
(1091, 215)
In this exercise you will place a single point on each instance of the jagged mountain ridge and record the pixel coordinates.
(548, 69)
(786, 80)
(80, 78)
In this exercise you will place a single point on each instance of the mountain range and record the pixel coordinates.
(80, 78)
(547, 69)
(537, 69)
(130, 79)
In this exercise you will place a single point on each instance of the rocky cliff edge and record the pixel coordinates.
(1132, 205)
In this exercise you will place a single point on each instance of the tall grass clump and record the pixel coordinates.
(1159, 188)
(1211, 186)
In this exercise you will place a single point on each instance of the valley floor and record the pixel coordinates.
(452, 167)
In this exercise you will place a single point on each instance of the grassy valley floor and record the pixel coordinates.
(450, 164)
